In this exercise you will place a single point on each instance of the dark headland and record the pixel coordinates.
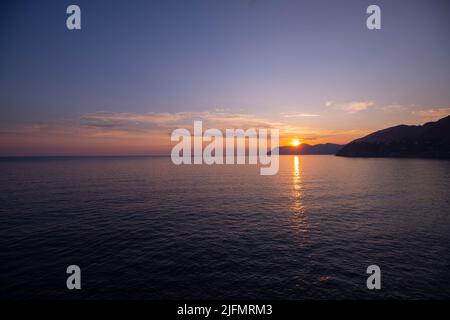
(431, 140)
(306, 149)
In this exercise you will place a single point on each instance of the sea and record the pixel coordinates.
(144, 228)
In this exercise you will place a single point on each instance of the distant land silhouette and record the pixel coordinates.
(305, 149)
(431, 140)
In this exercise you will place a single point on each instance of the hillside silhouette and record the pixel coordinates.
(431, 140)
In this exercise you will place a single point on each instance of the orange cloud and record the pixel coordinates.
(109, 133)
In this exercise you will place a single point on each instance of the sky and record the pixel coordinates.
(139, 69)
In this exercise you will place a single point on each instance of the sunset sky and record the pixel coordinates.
(139, 69)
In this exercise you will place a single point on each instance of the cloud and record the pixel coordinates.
(132, 121)
(423, 112)
(350, 107)
(107, 133)
(395, 108)
(299, 115)
(146, 129)
(102, 118)
(432, 114)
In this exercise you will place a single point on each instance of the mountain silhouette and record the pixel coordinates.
(326, 148)
(431, 140)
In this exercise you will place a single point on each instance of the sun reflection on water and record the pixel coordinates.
(298, 209)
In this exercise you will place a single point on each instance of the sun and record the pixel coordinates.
(295, 143)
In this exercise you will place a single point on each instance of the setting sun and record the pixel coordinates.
(295, 143)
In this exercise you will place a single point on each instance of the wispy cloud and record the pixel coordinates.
(175, 120)
(434, 113)
(350, 107)
(419, 113)
(136, 133)
(299, 115)
(395, 108)
(114, 133)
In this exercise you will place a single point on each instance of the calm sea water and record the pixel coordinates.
(144, 228)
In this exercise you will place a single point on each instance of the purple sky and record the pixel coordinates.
(140, 68)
